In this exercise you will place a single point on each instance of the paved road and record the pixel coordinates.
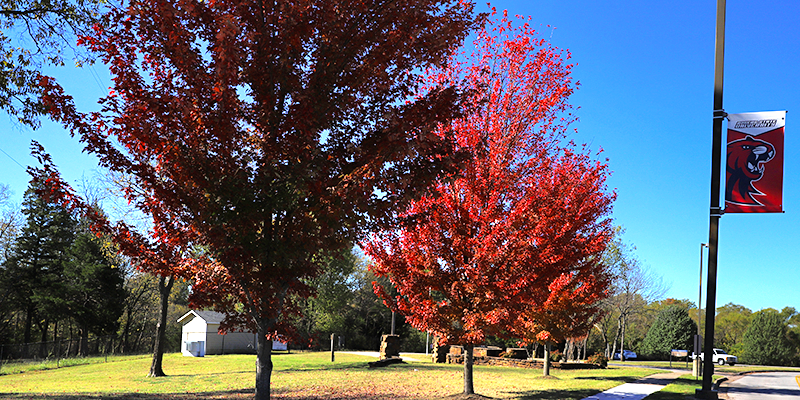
(764, 386)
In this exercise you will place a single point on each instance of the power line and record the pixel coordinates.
(12, 159)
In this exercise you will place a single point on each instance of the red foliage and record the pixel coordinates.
(165, 256)
(570, 309)
(269, 133)
(520, 229)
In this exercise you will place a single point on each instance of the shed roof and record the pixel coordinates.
(211, 317)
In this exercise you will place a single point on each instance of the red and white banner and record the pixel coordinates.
(754, 166)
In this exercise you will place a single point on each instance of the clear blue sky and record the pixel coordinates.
(646, 72)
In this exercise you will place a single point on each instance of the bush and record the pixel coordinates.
(598, 359)
(555, 356)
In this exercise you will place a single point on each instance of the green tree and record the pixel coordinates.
(34, 270)
(672, 329)
(792, 318)
(345, 304)
(368, 316)
(325, 312)
(730, 324)
(765, 341)
(93, 286)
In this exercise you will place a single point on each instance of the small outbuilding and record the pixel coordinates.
(200, 336)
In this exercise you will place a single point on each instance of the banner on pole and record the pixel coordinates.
(754, 163)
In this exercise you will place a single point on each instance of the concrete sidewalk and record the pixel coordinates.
(639, 389)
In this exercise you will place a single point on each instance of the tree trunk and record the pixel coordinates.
(263, 364)
(26, 335)
(622, 342)
(546, 368)
(469, 386)
(616, 337)
(585, 346)
(83, 346)
(604, 337)
(43, 344)
(164, 287)
(56, 342)
(125, 342)
(569, 349)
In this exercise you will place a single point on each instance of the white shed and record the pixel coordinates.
(200, 336)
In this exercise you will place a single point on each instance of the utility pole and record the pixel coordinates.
(715, 211)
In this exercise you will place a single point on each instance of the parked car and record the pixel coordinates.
(721, 357)
(629, 355)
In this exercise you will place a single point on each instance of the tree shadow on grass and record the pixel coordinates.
(361, 365)
(325, 367)
(219, 395)
(621, 379)
(204, 374)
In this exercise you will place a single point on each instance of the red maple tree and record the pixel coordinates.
(571, 308)
(524, 213)
(269, 134)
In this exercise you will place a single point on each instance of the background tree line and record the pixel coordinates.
(765, 337)
(61, 282)
(637, 317)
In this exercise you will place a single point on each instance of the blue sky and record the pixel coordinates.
(646, 72)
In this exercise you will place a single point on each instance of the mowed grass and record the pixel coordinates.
(724, 369)
(680, 388)
(302, 376)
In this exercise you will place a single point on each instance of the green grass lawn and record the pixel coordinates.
(660, 364)
(300, 376)
(725, 369)
(679, 388)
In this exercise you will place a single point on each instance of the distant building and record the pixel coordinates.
(199, 336)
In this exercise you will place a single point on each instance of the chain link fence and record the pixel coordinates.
(62, 349)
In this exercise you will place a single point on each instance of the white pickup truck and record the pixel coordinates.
(721, 357)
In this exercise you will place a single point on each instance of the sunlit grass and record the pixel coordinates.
(727, 369)
(303, 376)
(685, 385)
(752, 368)
(41, 365)
(658, 364)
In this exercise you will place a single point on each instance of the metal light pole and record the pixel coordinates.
(715, 211)
(700, 289)
(698, 345)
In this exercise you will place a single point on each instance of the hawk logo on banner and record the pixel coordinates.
(754, 166)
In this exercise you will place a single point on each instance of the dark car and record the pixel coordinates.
(629, 355)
